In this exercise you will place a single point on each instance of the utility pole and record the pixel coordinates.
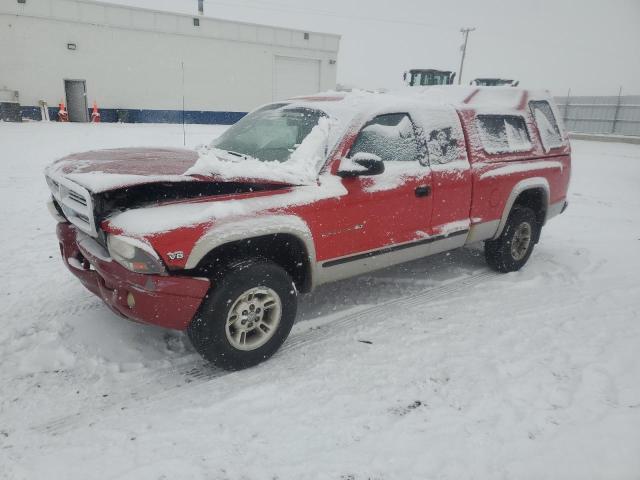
(617, 112)
(465, 32)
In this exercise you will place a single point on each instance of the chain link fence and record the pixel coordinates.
(613, 115)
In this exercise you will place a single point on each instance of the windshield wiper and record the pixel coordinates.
(236, 154)
(231, 152)
(225, 153)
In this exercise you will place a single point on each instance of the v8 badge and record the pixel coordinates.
(179, 255)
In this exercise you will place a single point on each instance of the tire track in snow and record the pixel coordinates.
(89, 304)
(190, 376)
(380, 311)
(185, 375)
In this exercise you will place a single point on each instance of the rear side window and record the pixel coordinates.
(503, 133)
(547, 124)
(442, 146)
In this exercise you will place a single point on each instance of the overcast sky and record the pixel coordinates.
(590, 46)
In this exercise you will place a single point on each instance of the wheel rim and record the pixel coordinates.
(253, 318)
(521, 241)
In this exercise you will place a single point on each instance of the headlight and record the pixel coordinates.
(134, 255)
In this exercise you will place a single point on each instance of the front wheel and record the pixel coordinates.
(511, 250)
(246, 316)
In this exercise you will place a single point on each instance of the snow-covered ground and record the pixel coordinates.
(435, 369)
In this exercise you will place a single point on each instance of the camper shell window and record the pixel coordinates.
(503, 133)
(547, 124)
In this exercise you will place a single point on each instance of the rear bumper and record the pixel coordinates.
(166, 301)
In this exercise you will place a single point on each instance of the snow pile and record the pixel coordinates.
(300, 168)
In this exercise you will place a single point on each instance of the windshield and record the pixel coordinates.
(271, 133)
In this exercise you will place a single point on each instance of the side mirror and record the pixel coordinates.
(362, 163)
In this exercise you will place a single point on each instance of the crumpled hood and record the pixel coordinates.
(103, 170)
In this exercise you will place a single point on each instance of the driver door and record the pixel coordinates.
(392, 210)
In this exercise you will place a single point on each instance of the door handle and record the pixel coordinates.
(423, 191)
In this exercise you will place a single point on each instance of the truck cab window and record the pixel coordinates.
(392, 137)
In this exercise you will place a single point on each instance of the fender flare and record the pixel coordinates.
(233, 230)
(522, 186)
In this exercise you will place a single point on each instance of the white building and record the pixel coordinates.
(139, 64)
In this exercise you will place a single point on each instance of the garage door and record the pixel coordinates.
(295, 76)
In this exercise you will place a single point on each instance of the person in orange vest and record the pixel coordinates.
(63, 116)
(95, 115)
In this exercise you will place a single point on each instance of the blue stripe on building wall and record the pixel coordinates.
(128, 115)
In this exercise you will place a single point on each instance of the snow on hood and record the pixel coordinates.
(102, 170)
(301, 168)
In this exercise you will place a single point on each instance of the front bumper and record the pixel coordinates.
(167, 301)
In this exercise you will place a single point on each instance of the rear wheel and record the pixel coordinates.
(246, 316)
(511, 250)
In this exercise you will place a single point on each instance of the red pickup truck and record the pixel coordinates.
(220, 241)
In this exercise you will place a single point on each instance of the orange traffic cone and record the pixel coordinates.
(63, 116)
(95, 115)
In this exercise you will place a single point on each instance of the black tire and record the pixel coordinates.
(208, 330)
(499, 252)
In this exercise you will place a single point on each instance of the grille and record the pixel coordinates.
(83, 218)
(76, 203)
(76, 197)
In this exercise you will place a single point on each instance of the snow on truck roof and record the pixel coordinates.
(459, 97)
